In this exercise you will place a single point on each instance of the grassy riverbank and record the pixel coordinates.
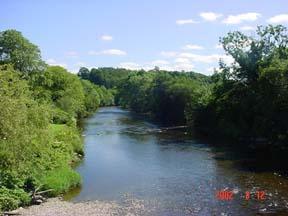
(39, 108)
(53, 172)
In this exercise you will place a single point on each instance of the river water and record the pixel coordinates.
(129, 158)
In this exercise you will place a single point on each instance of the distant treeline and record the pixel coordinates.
(164, 95)
(39, 108)
(246, 101)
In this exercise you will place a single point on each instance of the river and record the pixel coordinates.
(130, 158)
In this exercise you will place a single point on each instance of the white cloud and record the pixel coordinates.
(214, 58)
(176, 67)
(113, 52)
(130, 65)
(108, 52)
(179, 66)
(210, 16)
(185, 21)
(168, 53)
(78, 65)
(182, 67)
(218, 46)
(182, 60)
(81, 64)
(210, 70)
(50, 61)
(53, 62)
(278, 19)
(74, 70)
(189, 57)
(247, 28)
(106, 37)
(193, 47)
(239, 18)
(72, 54)
(159, 62)
(92, 52)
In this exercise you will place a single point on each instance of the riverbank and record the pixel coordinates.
(56, 206)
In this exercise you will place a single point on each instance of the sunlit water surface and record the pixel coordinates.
(126, 157)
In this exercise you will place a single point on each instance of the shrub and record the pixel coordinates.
(11, 199)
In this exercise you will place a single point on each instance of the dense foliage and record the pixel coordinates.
(250, 96)
(245, 101)
(16, 49)
(39, 109)
(166, 96)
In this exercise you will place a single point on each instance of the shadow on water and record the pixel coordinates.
(170, 171)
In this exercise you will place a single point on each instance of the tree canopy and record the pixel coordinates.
(39, 108)
(20, 52)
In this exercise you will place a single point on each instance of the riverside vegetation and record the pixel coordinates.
(245, 101)
(39, 109)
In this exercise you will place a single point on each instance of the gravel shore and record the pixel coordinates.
(56, 206)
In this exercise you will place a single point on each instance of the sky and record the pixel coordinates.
(173, 35)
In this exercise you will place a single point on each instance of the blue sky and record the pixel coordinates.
(174, 35)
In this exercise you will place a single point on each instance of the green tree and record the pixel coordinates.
(22, 123)
(84, 73)
(92, 98)
(248, 99)
(20, 52)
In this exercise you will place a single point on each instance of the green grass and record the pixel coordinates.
(60, 180)
(66, 141)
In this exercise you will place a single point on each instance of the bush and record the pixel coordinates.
(67, 138)
(7, 203)
(60, 117)
(11, 199)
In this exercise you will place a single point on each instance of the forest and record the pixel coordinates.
(245, 103)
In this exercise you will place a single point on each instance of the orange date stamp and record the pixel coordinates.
(227, 195)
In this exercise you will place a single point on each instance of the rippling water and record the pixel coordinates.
(168, 172)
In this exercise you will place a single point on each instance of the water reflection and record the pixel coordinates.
(170, 173)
